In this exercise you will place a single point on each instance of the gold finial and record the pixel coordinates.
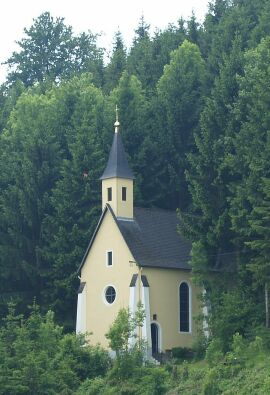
(117, 123)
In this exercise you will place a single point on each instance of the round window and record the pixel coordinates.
(110, 294)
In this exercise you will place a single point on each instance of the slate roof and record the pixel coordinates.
(152, 238)
(117, 165)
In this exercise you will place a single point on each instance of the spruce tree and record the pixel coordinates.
(117, 64)
(181, 94)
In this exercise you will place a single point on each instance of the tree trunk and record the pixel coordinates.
(266, 306)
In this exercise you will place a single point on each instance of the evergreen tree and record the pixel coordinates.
(207, 221)
(163, 43)
(29, 161)
(260, 243)
(8, 99)
(250, 161)
(180, 90)
(117, 64)
(140, 59)
(75, 203)
(44, 146)
(251, 143)
(193, 29)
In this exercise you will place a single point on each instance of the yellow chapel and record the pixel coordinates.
(136, 254)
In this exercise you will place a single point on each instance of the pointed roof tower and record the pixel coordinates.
(117, 165)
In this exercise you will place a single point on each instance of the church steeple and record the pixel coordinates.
(117, 178)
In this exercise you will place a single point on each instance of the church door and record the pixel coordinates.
(155, 340)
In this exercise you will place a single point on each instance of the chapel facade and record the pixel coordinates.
(136, 254)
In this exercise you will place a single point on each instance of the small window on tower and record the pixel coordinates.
(124, 194)
(109, 193)
(109, 258)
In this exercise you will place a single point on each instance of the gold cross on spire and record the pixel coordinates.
(116, 124)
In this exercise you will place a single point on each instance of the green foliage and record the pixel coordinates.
(182, 353)
(49, 196)
(140, 381)
(214, 352)
(197, 135)
(124, 329)
(124, 338)
(51, 51)
(117, 64)
(233, 311)
(95, 386)
(38, 358)
(180, 90)
(153, 382)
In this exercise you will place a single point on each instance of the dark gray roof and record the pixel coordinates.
(153, 239)
(81, 287)
(117, 165)
(144, 280)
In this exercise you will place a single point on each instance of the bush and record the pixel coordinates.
(210, 383)
(38, 358)
(199, 346)
(154, 382)
(95, 386)
(182, 353)
(214, 353)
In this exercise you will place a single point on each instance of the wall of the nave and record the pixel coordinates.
(164, 303)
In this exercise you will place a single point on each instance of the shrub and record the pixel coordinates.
(38, 358)
(182, 353)
(210, 383)
(95, 386)
(214, 352)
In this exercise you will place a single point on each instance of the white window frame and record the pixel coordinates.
(104, 294)
(189, 307)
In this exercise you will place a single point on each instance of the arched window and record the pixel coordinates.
(184, 305)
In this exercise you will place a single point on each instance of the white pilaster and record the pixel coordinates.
(132, 308)
(81, 312)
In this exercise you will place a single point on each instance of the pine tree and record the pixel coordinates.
(140, 59)
(180, 92)
(117, 64)
(75, 201)
(207, 220)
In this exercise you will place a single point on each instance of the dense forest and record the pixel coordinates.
(195, 120)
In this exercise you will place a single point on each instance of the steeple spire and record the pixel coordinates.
(117, 123)
(117, 165)
(117, 178)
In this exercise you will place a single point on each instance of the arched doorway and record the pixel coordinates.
(155, 339)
